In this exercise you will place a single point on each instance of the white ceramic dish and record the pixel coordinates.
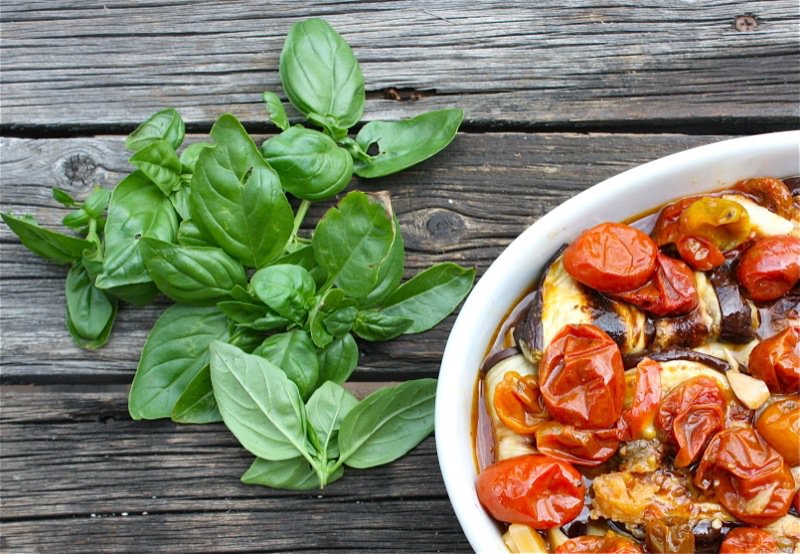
(615, 199)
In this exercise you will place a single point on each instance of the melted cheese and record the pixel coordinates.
(763, 221)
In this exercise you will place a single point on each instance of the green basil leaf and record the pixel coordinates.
(190, 154)
(258, 403)
(97, 202)
(338, 360)
(164, 125)
(353, 243)
(275, 110)
(56, 247)
(430, 296)
(304, 257)
(310, 165)
(321, 76)
(293, 474)
(63, 197)
(200, 275)
(341, 321)
(196, 403)
(252, 316)
(237, 198)
(391, 272)
(76, 219)
(332, 302)
(325, 410)
(137, 209)
(140, 294)
(374, 325)
(295, 354)
(189, 234)
(404, 143)
(287, 289)
(387, 424)
(180, 201)
(246, 340)
(175, 351)
(160, 163)
(90, 311)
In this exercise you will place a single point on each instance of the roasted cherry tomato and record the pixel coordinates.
(747, 476)
(577, 446)
(581, 378)
(748, 540)
(776, 361)
(664, 536)
(770, 268)
(532, 490)
(518, 403)
(779, 424)
(723, 223)
(667, 229)
(611, 257)
(690, 415)
(699, 253)
(610, 543)
(637, 419)
(771, 193)
(670, 292)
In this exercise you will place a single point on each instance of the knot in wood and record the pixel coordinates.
(79, 168)
(444, 226)
(746, 23)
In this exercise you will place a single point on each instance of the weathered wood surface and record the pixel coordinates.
(91, 65)
(464, 205)
(79, 476)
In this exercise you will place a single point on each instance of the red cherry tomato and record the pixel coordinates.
(518, 403)
(610, 543)
(748, 540)
(580, 447)
(581, 378)
(670, 292)
(699, 253)
(776, 361)
(747, 476)
(779, 424)
(611, 257)
(667, 229)
(532, 490)
(771, 193)
(690, 415)
(770, 268)
(637, 421)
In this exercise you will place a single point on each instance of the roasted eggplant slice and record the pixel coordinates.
(738, 316)
(673, 354)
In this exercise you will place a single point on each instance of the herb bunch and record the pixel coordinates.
(262, 332)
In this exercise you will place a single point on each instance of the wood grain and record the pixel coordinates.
(70, 65)
(464, 205)
(79, 476)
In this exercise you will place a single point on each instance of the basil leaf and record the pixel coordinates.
(180, 201)
(56, 247)
(90, 311)
(97, 202)
(252, 316)
(304, 257)
(190, 154)
(137, 209)
(430, 296)
(160, 163)
(325, 410)
(295, 354)
(237, 198)
(391, 272)
(338, 360)
(175, 351)
(292, 474)
(404, 143)
(387, 424)
(332, 302)
(164, 125)
(373, 325)
(275, 110)
(199, 275)
(76, 219)
(258, 403)
(189, 234)
(196, 403)
(63, 197)
(287, 289)
(321, 76)
(310, 165)
(353, 243)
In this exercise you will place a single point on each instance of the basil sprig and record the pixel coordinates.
(263, 332)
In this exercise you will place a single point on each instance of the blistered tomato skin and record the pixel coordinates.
(699, 253)
(667, 229)
(771, 193)
(779, 424)
(770, 268)
(747, 476)
(611, 257)
(532, 490)
(577, 446)
(610, 543)
(518, 404)
(723, 223)
(776, 361)
(670, 292)
(581, 378)
(690, 415)
(748, 540)
(638, 420)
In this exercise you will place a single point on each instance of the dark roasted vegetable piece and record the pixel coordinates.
(737, 315)
(632, 360)
(771, 193)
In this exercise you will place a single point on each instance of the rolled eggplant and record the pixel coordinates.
(738, 316)
(507, 443)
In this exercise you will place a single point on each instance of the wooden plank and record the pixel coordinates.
(79, 476)
(671, 63)
(464, 205)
